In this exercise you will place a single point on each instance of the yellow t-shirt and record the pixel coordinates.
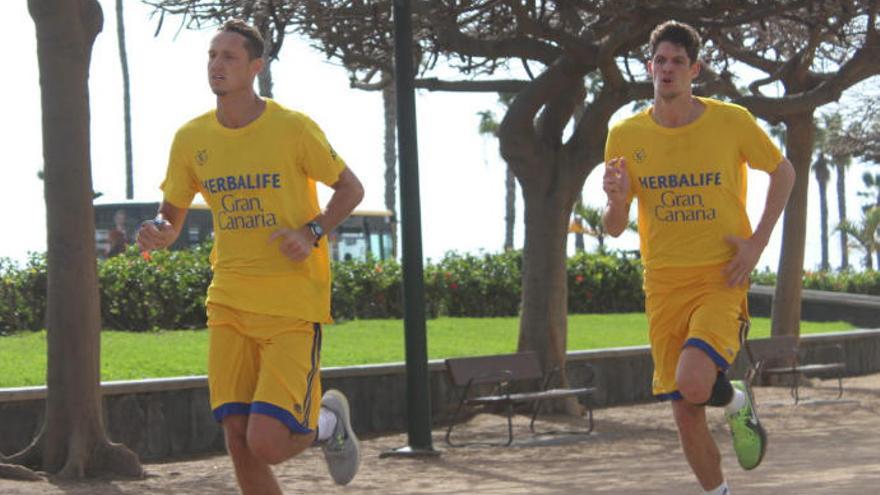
(690, 181)
(257, 179)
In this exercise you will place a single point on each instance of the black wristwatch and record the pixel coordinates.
(316, 230)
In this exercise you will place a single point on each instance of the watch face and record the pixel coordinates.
(316, 229)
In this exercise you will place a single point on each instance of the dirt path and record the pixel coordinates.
(817, 448)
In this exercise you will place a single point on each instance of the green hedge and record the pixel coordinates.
(366, 289)
(474, 285)
(22, 294)
(605, 284)
(867, 282)
(169, 290)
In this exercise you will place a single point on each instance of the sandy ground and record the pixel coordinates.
(821, 447)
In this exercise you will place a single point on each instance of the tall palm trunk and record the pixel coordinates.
(126, 100)
(820, 169)
(841, 212)
(389, 104)
(509, 208)
(579, 245)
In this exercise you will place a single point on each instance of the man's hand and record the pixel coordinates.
(155, 234)
(615, 182)
(295, 244)
(748, 251)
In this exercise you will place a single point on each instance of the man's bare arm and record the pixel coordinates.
(748, 251)
(348, 192)
(615, 183)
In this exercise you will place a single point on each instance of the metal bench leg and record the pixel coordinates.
(452, 425)
(509, 424)
(590, 424)
(589, 419)
(535, 416)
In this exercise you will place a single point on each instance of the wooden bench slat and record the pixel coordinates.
(530, 396)
(487, 369)
(806, 368)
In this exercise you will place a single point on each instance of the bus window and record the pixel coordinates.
(364, 233)
(116, 225)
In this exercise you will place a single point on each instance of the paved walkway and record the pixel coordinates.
(816, 448)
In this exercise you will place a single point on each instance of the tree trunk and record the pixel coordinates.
(786, 311)
(579, 245)
(544, 319)
(264, 78)
(509, 208)
(73, 442)
(821, 170)
(551, 174)
(389, 102)
(841, 213)
(126, 100)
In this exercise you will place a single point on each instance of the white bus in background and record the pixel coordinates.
(365, 232)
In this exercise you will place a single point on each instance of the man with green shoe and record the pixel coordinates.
(684, 159)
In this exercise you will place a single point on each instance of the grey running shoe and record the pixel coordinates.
(341, 450)
(749, 437)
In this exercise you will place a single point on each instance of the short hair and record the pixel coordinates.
(253, 43)
(677, 33)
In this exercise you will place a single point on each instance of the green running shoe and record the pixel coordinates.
(749, 437)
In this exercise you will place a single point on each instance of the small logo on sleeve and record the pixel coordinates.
(640, 155)
(202, 157)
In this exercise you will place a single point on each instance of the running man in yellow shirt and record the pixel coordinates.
(684, 159)
(256, 164)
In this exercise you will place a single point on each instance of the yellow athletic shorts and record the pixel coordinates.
(692, 306)
(264, 364)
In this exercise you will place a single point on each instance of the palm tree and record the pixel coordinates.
(389, 104)
(872, 194)
(589, 220)
(489, 127)
(820, 168)
(126, 100)
(866, 235)
(872, 182)
(841, 157)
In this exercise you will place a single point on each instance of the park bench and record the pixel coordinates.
(508, 377)
(765, 353)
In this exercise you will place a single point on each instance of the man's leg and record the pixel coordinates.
(695, 376)
(253, 474)
(288, 413)
(272, 442)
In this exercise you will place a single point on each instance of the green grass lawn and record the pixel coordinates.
(128, 355)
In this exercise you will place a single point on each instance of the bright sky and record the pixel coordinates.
(462, 175)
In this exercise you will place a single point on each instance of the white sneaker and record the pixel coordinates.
(341, 450)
